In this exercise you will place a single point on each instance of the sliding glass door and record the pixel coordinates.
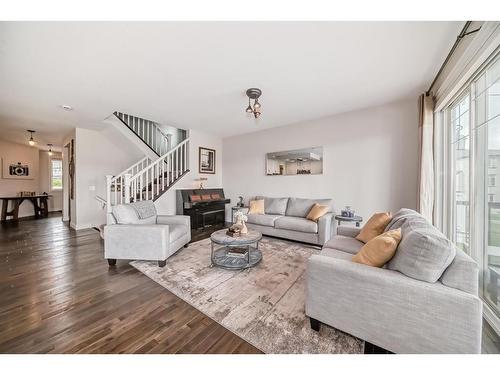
(486, 133)
(473, 185)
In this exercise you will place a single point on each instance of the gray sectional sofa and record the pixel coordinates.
(286, 218)
(425, 300)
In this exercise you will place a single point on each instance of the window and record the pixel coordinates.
(56, 174)
(492, 180)
(492, 162)
(470, 155)
(459, 114)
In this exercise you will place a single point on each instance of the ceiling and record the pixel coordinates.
(195, 74)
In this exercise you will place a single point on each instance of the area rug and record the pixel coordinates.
(264, 305)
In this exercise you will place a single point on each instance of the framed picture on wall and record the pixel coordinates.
(18, 170)
(206, 160)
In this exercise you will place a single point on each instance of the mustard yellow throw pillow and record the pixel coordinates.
(374, 226)
(257, 207)
(316, 212)
(379, 250)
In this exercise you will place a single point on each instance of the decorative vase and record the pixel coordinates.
(244, 229)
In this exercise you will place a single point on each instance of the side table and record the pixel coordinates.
(353, 219)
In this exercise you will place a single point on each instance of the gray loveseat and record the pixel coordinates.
(390, 309)
(286, 218)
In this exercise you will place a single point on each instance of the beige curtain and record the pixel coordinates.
(425, 202)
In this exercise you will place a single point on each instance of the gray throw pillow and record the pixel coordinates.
(145, 209)
(300, 207)
(125, 214)
(424, 253)
(400, 217)
(274, 206)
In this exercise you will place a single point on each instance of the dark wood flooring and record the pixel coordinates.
(58, 295)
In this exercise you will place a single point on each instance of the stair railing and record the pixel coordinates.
(115, 185)
(157, 177)
(149, 131)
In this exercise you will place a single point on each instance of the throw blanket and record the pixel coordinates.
(145, 209)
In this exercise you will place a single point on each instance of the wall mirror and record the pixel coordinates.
(303, 161)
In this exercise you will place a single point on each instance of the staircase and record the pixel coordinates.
(148, 131)
(148, 178)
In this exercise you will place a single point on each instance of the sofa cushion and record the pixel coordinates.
(374, 226)
(145, 209)
(462, 273)
(125, 214)
(316, 212)
(400, 217)
(256, 207)
(332, 253)
(300, 207)
(424, 253)
(266, 220)
(274, 206)
(176, 231)
(344, 243)
(379, 250)
(298, 224)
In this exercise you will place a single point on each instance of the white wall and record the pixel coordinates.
(56, 201)
(166, 204)
(14, 152)
(370, 159)
(97, 154)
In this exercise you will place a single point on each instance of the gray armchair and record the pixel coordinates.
(135, 231)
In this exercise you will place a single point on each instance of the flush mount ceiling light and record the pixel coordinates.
(67, 107)
(31, 141)
(50, 148)
(254, 94)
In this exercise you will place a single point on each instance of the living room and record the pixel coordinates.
(250, 186)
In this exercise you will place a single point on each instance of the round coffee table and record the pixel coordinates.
(235, 253)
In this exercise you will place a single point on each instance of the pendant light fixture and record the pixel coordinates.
(31, 141)
(254, 94)
(50, 148)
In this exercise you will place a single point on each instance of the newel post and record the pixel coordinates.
(108, 193)
(127, 177)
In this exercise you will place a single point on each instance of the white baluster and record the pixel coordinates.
(157, 141)
(127, 187)
(157, 179)
(141, 185)
(163, 175)
(183, 157)
(177, 163)
(169, 166)
(108, 194)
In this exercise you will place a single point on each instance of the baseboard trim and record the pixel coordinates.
(80, 227)
(492, 319)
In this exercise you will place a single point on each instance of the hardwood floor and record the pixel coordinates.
(58, 295)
